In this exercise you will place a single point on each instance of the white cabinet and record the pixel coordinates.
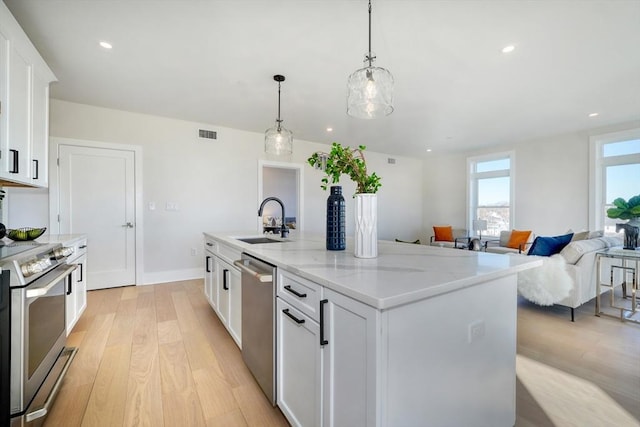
(230, 298)
(299, 366)
(326, 356)
(76, 294)
(223, 286)
(39, 130)
(349, 361)
(210, 274)
(24, 106)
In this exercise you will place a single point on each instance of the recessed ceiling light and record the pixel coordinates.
(508, 49)
(594, 114)
(106, 45)
(428, 150)
(329, 129)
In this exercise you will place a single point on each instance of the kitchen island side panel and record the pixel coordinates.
(450, 360)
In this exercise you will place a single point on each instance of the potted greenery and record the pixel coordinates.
(343, 160)
(626, 210)
(346, 161)
(631, 211)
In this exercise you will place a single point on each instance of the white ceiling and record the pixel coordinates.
(213, 62)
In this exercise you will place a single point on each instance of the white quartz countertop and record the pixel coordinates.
(60, 238)
(402, 273)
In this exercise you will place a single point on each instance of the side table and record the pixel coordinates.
(629, 267)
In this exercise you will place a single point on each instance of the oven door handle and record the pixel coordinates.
(38, 292)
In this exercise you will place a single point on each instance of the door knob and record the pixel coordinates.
(128, 225)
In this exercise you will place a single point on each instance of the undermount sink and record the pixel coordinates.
(254, 240)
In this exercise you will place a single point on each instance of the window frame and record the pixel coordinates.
(472, 184)
(597, 175)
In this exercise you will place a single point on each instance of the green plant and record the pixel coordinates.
(345, 161)
(625, 210)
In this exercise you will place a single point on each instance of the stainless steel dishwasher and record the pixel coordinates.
(258, 321)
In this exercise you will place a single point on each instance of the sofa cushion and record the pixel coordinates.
(574, 250)
(596, 234)
(547, 246)
(443, 234)
(504, 237)
(518, 239)
(581, 235)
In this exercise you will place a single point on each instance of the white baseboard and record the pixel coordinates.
(172, 276)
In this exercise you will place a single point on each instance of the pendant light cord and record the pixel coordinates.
(279, 121)
(370, 56)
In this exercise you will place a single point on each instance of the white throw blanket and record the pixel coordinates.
(547, 284)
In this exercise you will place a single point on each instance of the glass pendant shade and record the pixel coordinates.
(370, 89)
(278, 141)
(370, 93)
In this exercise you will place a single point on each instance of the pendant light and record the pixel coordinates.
(370, 89)
(278, 141)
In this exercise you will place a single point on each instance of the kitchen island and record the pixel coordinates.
(418, 336)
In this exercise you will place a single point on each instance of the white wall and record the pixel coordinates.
(551, 183)
(215, 183)
(27, 207)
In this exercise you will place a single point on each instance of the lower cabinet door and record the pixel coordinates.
(223, 273)
(349, 361)
(299, 389)
(81, 286)
(211, 280)
(235, 305)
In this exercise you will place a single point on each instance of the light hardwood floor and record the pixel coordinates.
(158, 356)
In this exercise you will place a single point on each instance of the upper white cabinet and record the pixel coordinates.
(24, 106)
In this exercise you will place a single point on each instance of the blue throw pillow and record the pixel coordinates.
(547, 246)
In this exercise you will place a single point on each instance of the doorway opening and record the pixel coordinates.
(284, 181)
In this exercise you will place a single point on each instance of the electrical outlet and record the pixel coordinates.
(171, 207)
(194, 252)
(152, 206)
(476, 330)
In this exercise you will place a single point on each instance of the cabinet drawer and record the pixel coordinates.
(210, 245)
(303, 294)
(228, 254)
(79, 249)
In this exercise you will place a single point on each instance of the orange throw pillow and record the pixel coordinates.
(443, 234)
(518, 238)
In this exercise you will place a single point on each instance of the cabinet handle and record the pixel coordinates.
(35, 163)
(207, 262)
(293, 291)
(292, 317)
(15, 168)
(209, 244)
(82, 247)
(225, 285)
(81, 272)
(69, 285)
(322, 340)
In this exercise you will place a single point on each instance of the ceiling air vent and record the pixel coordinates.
(208, 134)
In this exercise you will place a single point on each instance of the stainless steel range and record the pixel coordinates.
(38, 280)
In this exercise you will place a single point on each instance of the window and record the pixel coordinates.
(615, 173)
(490, 195)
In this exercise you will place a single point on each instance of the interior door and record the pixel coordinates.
(97, 198)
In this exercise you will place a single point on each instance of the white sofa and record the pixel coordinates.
(580, 264)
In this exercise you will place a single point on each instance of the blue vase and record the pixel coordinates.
(336, 239)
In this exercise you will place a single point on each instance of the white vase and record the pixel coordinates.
(366, 235)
